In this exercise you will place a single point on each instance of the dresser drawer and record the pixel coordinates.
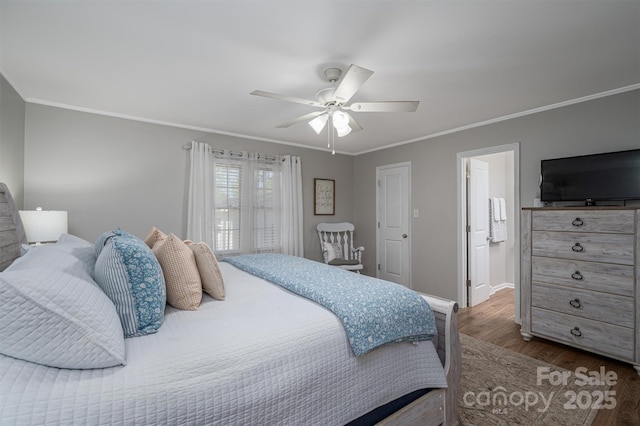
(608, 248)
(604, 277)
(585, 304)
(612, 221)
(590, 335)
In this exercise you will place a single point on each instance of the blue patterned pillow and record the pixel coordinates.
(129, 273)
(102, 239)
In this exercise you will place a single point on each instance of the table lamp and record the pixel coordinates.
(43, 225)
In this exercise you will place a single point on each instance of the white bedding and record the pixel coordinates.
(263, 356)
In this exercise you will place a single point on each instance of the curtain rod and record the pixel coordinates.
(187, 147)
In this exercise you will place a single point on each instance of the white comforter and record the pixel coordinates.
(261, 357)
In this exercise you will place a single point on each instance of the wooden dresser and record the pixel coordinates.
(578, 278)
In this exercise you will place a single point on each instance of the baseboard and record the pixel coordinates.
(497, 288)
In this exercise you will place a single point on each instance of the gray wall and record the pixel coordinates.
(12, 118)
(601, 125)
(110, 172)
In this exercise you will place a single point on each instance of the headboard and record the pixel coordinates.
(11, 229)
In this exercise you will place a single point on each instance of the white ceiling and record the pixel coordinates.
(193, 63)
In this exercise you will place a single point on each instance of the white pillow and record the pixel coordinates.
(39, 254)
(52, 313)
(82, 249)
(331, 253)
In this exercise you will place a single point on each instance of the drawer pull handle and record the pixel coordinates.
(577, 222)
(576, 332)
(577, 276)
(575, 303)
(577, 248)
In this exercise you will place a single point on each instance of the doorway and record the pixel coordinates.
(502, 258)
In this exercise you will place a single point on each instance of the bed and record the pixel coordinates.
(263, 356)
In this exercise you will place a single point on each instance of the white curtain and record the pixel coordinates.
(245, 203)
(200, 203)
(292, 212)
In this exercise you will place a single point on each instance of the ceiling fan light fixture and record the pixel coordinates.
(340, 120)
(343, 131)
(318, 123)
(334, 102)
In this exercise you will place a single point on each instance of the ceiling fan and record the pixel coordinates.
(333, 102)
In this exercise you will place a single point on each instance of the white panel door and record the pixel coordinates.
(393, 242)
(478, 237)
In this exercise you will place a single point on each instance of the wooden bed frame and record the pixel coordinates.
(437, 407)
(11, 230)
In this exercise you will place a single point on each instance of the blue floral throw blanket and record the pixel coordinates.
(373, 312)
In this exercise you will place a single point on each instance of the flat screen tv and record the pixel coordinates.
(599, 177)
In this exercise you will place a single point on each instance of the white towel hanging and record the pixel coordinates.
(497, 225)
(495, 206)
(503, 208)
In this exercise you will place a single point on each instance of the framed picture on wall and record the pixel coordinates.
(324, 196)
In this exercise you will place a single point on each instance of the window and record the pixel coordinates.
(245, 203)
(226, 233)
(246, 206)
(264, 211)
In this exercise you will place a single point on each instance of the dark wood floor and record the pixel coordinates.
(493, 322)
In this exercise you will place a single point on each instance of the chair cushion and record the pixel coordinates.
(343, 262)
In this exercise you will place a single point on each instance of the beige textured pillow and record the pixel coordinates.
(154, 236)
(181, 276)
(210, 273)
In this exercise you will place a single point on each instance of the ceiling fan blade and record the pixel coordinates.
(351, 82)
(355, 126)
(389, 106)
(301, 119)
(287, 98)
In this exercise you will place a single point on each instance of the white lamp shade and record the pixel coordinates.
(43, 225)
(317, 124)
(340, 119)
(343, 131)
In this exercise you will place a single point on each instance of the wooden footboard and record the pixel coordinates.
(440, 405)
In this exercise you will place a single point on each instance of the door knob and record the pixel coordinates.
(404, 235)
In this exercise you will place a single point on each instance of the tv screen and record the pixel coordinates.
(599, 177)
